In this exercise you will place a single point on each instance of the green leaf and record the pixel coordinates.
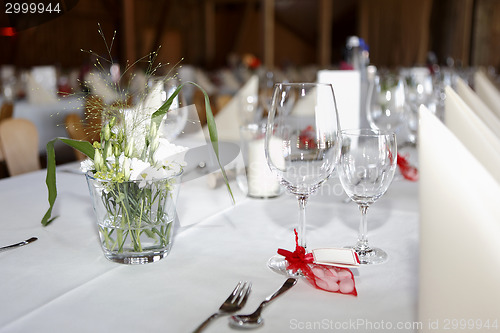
(83, 146)
(158, 115)
(50, 180)
(212, 132)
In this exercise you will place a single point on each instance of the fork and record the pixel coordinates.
(233, 303)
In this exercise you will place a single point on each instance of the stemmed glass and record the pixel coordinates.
(366, 169)
(386, 101)
(302, 144)
(419, 91)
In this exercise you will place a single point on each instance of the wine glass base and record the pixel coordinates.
(278, 265)
(372, 256)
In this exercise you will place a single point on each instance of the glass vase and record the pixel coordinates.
(135, 218)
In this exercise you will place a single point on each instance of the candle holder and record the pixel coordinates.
(254, 177)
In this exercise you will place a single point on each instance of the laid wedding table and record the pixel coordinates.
(63, 283)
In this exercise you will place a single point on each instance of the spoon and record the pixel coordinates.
(254, 320)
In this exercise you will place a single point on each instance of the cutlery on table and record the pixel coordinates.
(13, 246)
(233, 303)
(255, 320)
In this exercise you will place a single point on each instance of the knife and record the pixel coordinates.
(26, 242)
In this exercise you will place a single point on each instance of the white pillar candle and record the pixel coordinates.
(261, 181)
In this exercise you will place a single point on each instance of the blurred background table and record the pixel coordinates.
(48, 118)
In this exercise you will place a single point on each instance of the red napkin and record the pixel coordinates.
(325, 277)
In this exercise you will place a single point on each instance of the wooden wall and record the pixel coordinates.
(399, 32)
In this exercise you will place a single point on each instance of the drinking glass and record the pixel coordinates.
(366, 169)
(386, 105)
(419, 91)
(302, 144)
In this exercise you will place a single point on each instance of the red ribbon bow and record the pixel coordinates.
(324, 277)
(298, 259)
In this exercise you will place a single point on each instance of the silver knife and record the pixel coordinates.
(26, 242)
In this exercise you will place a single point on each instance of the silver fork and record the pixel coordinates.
(233, 303)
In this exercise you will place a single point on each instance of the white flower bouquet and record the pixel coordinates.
(133, 174)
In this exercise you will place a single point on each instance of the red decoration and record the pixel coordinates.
(306, 138)
(409, 172)
(345, 66)
(8, 31)
(325, 277)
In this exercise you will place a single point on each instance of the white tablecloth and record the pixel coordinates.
(63, 283)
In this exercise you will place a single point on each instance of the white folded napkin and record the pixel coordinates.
(347, 90)
(41, 85)
(138, 83)
(100, 87)
(155, 97)
(202, 79)
(229, 81)
(227, 119)
(459, 230)
(474, 134)
(487, 91)
(478, 106)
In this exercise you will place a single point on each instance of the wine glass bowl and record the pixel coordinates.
(302, 142)
(386, 101)
(366, 168)
(419, 91)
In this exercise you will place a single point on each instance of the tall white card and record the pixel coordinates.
(347, 89)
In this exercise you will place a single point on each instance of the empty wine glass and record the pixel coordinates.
(302, 144)
(366, 169)
(419, 91)
(386, 105)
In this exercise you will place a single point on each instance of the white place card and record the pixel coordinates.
(336, 257)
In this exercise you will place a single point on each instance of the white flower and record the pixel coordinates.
(145, 172)
(137, 168)
(168, 154)
(87, 165)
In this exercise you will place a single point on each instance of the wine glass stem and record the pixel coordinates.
(302, 220)
(362, 244)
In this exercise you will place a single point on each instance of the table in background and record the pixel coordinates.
(48, 118)
(63, 283)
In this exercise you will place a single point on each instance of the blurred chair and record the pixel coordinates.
(19, 142)
(6, 111)
(76, 131)
(199, 102)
